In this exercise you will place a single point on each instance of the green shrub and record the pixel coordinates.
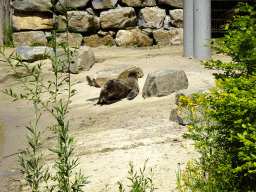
(226, 135)
(239, 43)
(8, 33)
(228, 147)
(140, 183)
(109, 44)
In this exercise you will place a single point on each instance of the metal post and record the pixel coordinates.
(202, 29)
(1, 22)
(188, 27)
(5, 19)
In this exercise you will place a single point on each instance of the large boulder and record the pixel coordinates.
(177, 17)
(104, 4)
(183, 118)
(173, 3)
(23, 21)
(139, 3)
(118, 72)
(118, 18)
(83, 59)
(81, 21)
(74, 3)
(151, 17)
(173, 36)
(74, 39)
(35, 5)
(133, 37)
(188, 93)
(164, 82)
(98, 40)
(29, 38)
(33, 53)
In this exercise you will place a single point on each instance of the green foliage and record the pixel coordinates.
(109, 44)
(137, 44)
(8, 33)
(36, 44)
(139, 182)
(226, 135)
(239, 43)
(228, 147)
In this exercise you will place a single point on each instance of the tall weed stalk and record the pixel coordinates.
(8, 33)
(34, 85)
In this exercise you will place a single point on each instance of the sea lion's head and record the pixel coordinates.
(133, 74)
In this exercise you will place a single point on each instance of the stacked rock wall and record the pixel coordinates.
(100, 22)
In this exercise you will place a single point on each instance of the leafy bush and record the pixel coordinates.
(226, 135)
(239, 43)
(228, 147)
(140, 183)
(8, 33)
(111, 43)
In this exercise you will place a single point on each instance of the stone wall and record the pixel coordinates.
(100, 22)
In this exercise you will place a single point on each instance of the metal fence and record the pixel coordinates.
(223, 11)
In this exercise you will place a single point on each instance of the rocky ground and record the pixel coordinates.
(110, 136)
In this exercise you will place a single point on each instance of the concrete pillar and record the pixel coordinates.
(202, 29)
(188, 28)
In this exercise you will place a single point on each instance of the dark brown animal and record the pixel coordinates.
(116, 89)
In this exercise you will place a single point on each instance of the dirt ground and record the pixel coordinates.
(109, 136)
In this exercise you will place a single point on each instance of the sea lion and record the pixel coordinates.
(116, 89)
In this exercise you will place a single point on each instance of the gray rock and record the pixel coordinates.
(132, 37)
(173, 36)
(174, 3)
(83, 59)
(74, 3)
(151, 17)
(118, 72)
(104, 4)
(167, 22)
(28, 38)
(112, 33)
(184, 118)
(147, 31)
(90, 11)
(164, 82)
(74, 39)
(174, 113)
(103, 33)
(82, 21)
(35, 5)
(33, 53)
(118, 18)
(139, 3)
(188, 93)
(177, 17)
(47, 34)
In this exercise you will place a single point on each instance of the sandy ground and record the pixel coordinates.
(110, 136)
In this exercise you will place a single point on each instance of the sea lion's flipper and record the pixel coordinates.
(131, 95)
